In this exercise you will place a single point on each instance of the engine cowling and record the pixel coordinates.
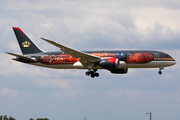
(109, 63)
(120, 71)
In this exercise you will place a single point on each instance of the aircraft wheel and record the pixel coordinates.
(93, 75)
(91, 72)
(87, 73)
(97, 74)
(160, 72)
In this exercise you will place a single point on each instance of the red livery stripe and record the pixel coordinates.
(19, 29)
(112, 60)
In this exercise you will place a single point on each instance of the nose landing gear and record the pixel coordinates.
(160, 72)
(92, 73)
(161, 68)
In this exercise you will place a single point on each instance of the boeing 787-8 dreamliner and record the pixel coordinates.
(117, 61)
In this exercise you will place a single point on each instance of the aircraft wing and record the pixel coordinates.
(86, 60)
(20, 56)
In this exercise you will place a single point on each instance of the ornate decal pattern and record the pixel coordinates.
(104, 54)
(57, 59)
(67, 59)
(139, 58)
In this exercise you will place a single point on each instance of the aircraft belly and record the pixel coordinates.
(152, 64)
(59, 66)
(78, 65)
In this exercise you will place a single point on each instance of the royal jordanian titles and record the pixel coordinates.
(117, 61)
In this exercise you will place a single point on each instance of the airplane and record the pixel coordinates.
(116, 61)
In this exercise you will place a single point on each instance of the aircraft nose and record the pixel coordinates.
(174, 62)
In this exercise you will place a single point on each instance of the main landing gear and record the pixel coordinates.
(161, 68)
(92, 73)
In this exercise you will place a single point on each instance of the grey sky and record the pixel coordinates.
(33, 92)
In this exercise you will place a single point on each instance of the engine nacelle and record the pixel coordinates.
(109, 63)
(120, 71)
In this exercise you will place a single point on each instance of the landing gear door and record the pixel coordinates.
(156, 56)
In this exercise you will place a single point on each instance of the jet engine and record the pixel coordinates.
(120, 71)
(112, 64)
(109, 63)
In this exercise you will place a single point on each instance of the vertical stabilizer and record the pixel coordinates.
(26, 45)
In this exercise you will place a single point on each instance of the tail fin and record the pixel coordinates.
(26, 45)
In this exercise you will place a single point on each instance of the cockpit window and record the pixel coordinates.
(168, 56)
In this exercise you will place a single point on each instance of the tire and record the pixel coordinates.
(93, 75)
(97, 74)
(87, 73)
(160, 72)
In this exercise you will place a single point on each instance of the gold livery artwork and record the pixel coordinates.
(26, 44)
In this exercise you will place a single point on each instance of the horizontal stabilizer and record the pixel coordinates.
(20, 56)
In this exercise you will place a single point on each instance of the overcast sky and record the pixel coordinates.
(33, 92)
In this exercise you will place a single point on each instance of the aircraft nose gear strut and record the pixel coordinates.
(161, 68)
(92, 73)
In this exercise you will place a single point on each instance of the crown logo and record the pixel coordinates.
(26, 44)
